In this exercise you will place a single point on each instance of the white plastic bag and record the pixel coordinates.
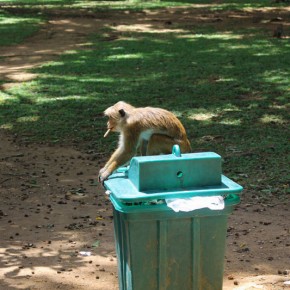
(196, 202)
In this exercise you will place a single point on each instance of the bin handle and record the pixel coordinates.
(176, 150)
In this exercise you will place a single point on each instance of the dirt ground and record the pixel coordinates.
(55, 220)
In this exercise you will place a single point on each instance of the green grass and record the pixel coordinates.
(138, 4)
(92, 5)
(19, 24)
(14, 29)
(230, 88)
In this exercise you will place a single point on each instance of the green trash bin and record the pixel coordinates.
(158, 248)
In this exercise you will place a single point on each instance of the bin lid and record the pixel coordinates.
(174, 175)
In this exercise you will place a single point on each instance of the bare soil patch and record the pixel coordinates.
(52, 210)
(55, 220)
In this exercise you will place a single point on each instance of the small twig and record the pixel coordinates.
(4, 180)
(31, 185)
(13, 156)
(16, 174)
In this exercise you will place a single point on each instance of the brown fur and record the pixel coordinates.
(164, 128)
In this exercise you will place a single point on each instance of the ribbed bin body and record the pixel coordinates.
(159, 249)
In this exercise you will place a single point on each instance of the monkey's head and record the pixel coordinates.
(117, 115)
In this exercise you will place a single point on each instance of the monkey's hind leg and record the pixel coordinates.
(162, 144)
(159, 144)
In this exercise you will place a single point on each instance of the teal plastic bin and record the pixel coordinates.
(157, 248)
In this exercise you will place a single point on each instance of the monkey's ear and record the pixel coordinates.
(122, 113)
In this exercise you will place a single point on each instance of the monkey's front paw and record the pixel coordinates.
(103, 175)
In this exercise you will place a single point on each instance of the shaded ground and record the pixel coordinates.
(52, 209)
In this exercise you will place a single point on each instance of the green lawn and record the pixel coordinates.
(229, 87)
(137, 4)
(14, 29)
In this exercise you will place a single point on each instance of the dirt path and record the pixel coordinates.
(64, 31)
(52, 209)
(67, 30)
(56, 36)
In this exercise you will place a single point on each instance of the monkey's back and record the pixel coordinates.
(160, 120)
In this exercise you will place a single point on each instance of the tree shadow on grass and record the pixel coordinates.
(237, 78)
(10, 26)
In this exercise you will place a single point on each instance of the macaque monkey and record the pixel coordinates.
(151, 131)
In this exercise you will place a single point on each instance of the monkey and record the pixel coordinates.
(147, 130)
